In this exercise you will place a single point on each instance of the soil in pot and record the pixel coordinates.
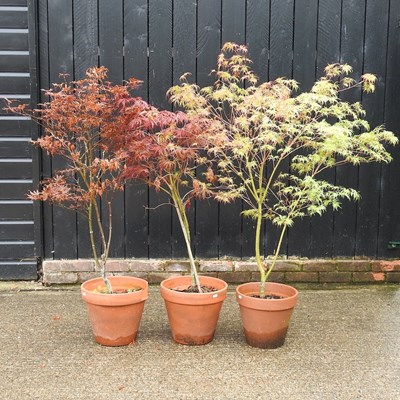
(194, 289)
(103, 290)
(267, 297)
(193, 317)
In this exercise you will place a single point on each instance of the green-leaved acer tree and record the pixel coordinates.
(258, 127)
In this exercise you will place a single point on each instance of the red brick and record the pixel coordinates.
(158, 277)
(216, 266)
(145, 265)
(85, 276)
(302, 277)
(245, 266)
(60, 278)
(177, 266)
(212, 274)
(319, 266)
(286, 266)
(273, 277)
(353, 265)
(368, 277)
(376, 266)
(68, 266)
(386, 266)
(335, 277)
(235, 277)
(117, 266)
(393, 277)
(138, 274)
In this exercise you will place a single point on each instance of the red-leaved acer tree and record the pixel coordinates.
(164, 150)
(79, 122)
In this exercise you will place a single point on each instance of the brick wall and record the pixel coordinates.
(285, 271)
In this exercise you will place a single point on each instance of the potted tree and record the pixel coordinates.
(265, 127)
(77, 121)
(164, 152)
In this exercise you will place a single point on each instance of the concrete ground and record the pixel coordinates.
(342, 344)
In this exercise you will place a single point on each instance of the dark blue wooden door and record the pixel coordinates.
(20, 241)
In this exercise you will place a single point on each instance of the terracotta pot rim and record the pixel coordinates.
(193, 298)
(115, 299)
(245, 290)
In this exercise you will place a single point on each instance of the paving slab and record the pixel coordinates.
(342, 344)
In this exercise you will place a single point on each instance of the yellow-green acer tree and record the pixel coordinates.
(257, 127)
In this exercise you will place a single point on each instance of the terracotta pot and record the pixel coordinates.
(115, 318)
(266, 321)
(193, 317)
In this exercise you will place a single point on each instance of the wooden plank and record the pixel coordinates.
(305, 43)
(184, 60)
(85, 36)
(160, 80)
(15, 148)
(15, 189)
(304, 64)
(208, 48)
(34, 98)
(257, 40)
(208, 39)
(329, 28)
(136, 65)
(60, 38)
(111, 38)
(13, 210)
(328, 51)
(22, 99)
(257, 36)
(230, 221)
(281, 39)
(159, 225)
(160, 49)
(14, 126)
(111, 42)
(13, 168)
(135, 43)
(14, 18)
(389, 210)
(60, 48)
(280, 64)
(85, 56)
(376, 26)
(15, 83)
(43, 45)
(233, 21)
(44, 79)
(13, 2)
(10, 250)
(16, 231)
(18, 271)
(352, 48)
(14, 39)
(184, 34)
(136, 224)
(14, 61)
